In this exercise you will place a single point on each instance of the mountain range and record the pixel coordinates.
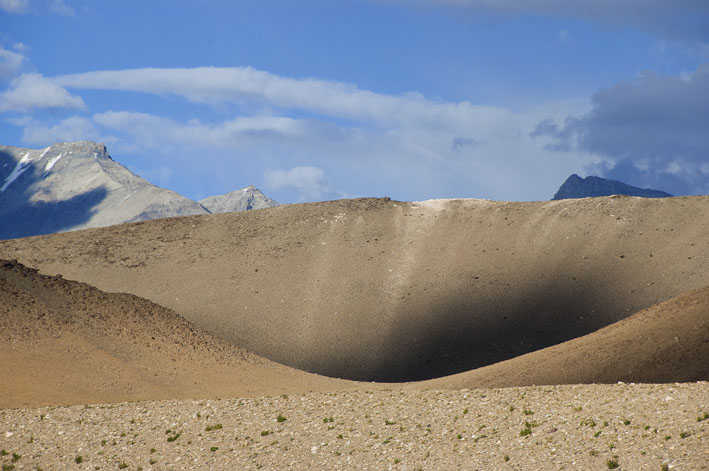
(77, 185)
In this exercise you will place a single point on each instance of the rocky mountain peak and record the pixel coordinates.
(577, 187)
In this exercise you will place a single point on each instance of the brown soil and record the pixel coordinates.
(383, 290)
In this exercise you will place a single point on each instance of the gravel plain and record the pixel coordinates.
(619, 426)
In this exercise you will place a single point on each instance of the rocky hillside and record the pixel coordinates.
(577, 187)
(239, 200)
(77, 185)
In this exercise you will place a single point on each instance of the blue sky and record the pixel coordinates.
(315, 100)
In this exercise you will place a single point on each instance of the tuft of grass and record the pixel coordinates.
(612, 463)
(506, 458)
(16, 457)
(122, 465)
(665, 467)
(213, 449)
(684, 434)
(280, 419)
(668, 437)
(153, 450)
(265, 433)
(152, 461)
(626, 422)
(4, 452)
(327, 419)
(528, 411)
(704, 416)
(209, 428)
(527, 430)
(8, 467)
(597, 434)
(79, 459)
(389, 422)
(173, 437)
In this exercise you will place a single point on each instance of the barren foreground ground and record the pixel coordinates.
(641, 427)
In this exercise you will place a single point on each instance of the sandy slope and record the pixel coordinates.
(68, 343)
(665, 343)
(384, 290)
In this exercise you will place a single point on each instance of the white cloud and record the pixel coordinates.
(14, 6)
(368, 143)
(215, 85)
(75, 128)
(309, 182)
(59, 7)
(10, 62)
(35, 91)
(164, 133)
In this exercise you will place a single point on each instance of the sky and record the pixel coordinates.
(323, 99)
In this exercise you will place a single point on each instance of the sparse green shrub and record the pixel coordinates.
(213, 449)
(122, 465)
(528, 412)
(265, 433)
(527, 430)
(280, 418)
(612, 463)
(684, 434)
(16, 457)
(506, 458)
(209, 428)
(173, 437)
(79, 459)
(389, 422)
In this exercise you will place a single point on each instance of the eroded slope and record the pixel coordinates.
(383, 290)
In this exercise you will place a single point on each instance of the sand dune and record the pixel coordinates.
(68, 343)
(382, 290)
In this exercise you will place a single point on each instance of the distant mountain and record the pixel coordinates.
(77, 185)
(577, 187)
(239, 200)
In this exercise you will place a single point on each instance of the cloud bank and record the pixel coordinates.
(652, 131)
(648, 132)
